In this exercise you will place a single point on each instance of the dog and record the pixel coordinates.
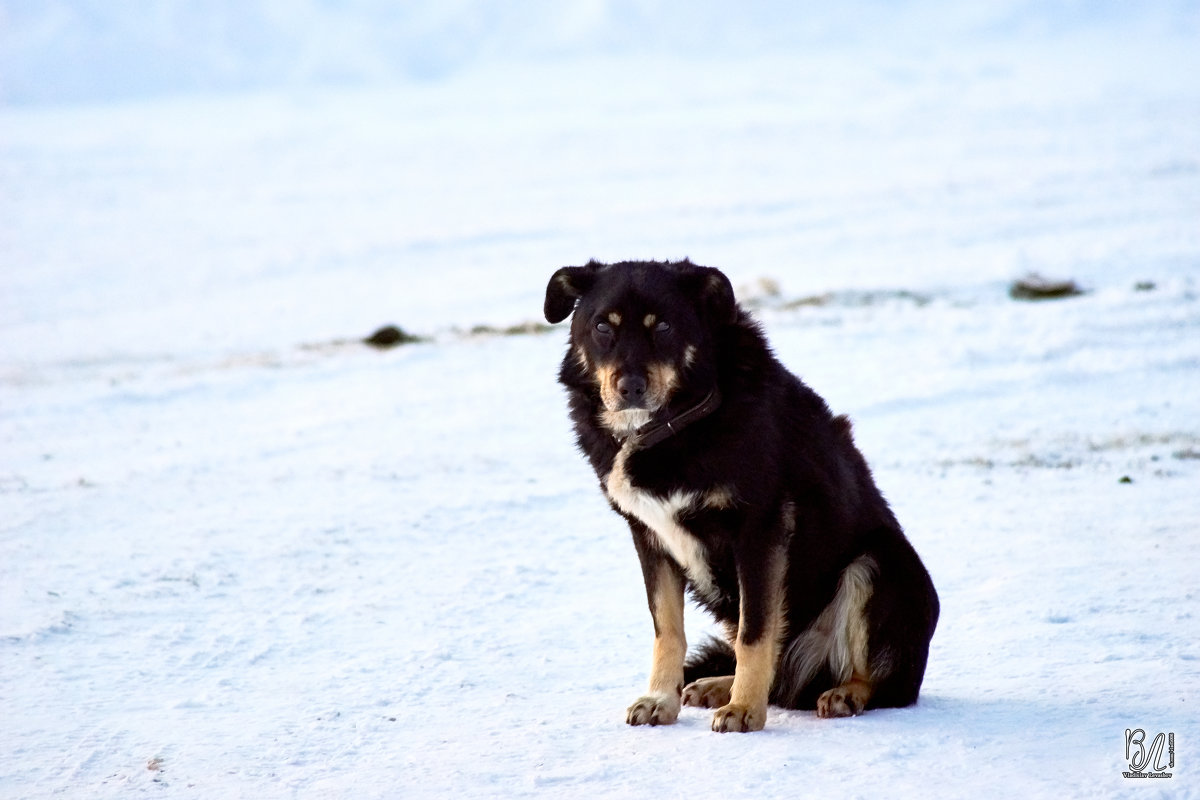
(741, 487)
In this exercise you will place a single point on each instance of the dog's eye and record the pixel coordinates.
(603, 328)
(662, 327)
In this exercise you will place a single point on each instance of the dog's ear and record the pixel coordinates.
(715, 293)
(565, 287)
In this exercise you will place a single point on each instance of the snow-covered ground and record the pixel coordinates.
(243, 556)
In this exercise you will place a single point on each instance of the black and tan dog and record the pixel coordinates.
(740, 485)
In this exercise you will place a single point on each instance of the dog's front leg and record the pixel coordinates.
(760, 630)
(664, 590)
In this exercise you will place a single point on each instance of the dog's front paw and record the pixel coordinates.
(738, 718)
(654, 709)
(708, 692)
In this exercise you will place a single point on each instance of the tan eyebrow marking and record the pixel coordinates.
(614, 318)
(649, 320)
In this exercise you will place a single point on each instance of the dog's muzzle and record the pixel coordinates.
(632, 391)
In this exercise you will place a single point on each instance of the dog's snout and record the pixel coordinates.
(632, 388)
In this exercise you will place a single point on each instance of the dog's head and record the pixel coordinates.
(643, 332)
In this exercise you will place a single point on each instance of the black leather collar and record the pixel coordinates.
(656, 432)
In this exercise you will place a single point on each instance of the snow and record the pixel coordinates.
(243, 556)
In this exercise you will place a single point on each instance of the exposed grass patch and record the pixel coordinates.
(858, 299)
(528, 328)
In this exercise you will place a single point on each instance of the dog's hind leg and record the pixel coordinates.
(848, 646)
(901, 617)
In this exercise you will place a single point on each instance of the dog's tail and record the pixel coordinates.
(713, 658)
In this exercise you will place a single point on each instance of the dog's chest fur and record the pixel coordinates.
(661, 515)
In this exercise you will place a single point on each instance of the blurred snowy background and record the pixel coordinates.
(75, 50)
(309, 160)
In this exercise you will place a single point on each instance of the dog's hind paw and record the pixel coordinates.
(708, 692)
(733, 718)
(654, 709)
(844, 701)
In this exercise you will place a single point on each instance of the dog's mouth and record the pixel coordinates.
(631, 400)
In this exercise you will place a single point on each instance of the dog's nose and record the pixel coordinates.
(631, 388)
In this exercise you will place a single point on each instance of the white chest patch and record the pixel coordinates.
(661, 515)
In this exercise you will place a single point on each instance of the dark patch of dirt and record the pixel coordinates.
(1037, 287)
(390, 336)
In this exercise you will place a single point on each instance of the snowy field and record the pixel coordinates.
(243, 555)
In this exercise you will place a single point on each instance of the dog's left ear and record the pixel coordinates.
(715, 292)
(565, 287)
